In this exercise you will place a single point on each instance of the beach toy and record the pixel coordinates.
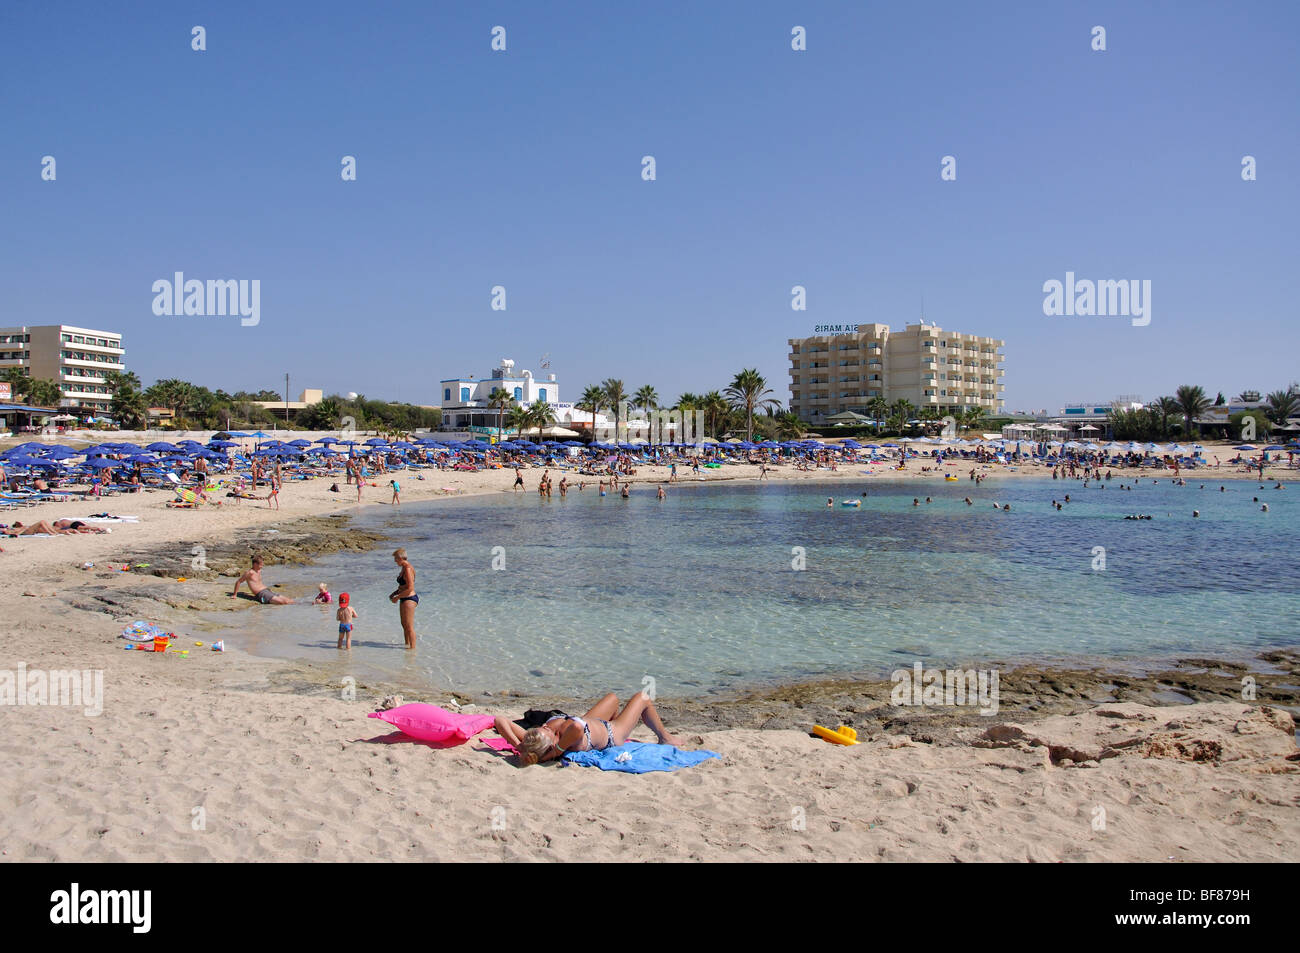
(218, 646)
(850, 502)
(199, 644)
(431, 723)
(844, 735)
(950, 479)
(180, 578)
(160, 643)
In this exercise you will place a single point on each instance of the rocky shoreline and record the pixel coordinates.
(169, 575)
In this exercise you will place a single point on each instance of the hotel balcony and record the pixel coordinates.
(113, 364)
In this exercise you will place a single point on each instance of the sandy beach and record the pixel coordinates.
(222, 756)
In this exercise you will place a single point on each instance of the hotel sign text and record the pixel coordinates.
(836, 329)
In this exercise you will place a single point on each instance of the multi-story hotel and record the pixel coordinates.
(844, 368)
(77, 359)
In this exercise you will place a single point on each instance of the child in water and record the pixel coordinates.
(345, 615)
(323, 596)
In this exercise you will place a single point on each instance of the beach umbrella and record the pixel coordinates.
(161, 447)
(1246, 446)
(223, 443)
(27, 460)
(1275, 446)
(300, 443)
(257, 433)
(99, 463)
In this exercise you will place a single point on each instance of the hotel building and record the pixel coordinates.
(465, 400)
(77, 359)
(846, 366)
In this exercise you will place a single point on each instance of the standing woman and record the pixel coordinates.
(405, 596)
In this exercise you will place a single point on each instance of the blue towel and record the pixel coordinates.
(644, 758)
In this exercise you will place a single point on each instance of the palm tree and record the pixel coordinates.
(1165, 407)
(171, 393)
(499, 400)
(647, 398)
(789, 426)
(1282, 405)
(972, 417)
(518, 419)
(593, 402)
(615, 395)
(18, 380)
(128, 408)
(878, 408)
(116, 379)
(715, 409)
(902, 410)
(1193, 402)
(44, 393)
(747, 391)
(540, 415)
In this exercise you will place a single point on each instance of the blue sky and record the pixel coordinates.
(775, 168)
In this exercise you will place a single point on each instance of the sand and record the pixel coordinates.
(221, 756)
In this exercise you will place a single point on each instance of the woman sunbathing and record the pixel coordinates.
(57, 528)
(591, 732)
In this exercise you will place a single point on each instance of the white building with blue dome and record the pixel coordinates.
(465, 399)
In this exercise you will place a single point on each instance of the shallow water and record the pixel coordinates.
(699, 593)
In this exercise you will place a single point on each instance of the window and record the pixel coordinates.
(519, 393)
(446, 393)
(541, 394)
(464, 393)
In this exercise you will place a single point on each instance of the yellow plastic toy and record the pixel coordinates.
(950, 479)
(844, 735)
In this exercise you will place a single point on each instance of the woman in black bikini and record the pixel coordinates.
(592, 732)
(405, 596)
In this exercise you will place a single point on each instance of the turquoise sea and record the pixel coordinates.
(698, 591)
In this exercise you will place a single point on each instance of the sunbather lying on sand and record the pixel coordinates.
(591, 732)
(57, 528)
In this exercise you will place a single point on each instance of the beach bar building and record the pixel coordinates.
(465, 400)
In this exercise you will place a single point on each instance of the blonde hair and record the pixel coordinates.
(533, 745)
(399, 553)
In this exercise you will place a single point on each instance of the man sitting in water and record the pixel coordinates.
(257, 589)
